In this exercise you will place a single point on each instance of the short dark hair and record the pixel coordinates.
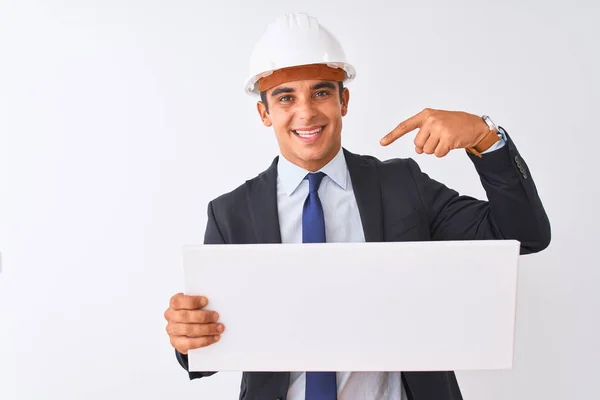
(263, 95)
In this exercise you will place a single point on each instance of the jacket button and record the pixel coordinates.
(518, 161)
(520, 166)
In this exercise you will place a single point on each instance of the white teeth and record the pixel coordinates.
(308, 133)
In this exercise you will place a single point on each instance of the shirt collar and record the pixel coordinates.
(290, 175)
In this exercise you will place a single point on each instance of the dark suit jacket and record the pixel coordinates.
(397, 202)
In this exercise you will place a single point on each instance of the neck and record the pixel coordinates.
(312, 165)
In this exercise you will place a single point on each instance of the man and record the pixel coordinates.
(317, 191)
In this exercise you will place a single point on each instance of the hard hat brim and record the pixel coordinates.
(252, 86)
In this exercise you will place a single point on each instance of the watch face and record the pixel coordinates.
(489, 122)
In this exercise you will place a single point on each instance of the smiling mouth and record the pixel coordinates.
(308, 133)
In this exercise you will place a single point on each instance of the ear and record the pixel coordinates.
(345, 101)
(264, 115)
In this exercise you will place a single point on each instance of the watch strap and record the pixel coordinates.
(488, 141)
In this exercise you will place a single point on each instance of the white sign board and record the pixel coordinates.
(409, 306)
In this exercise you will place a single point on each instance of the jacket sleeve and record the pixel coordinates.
(212, 235)
(514, 209)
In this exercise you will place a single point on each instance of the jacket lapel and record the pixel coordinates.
(261, 197)
(365, 182)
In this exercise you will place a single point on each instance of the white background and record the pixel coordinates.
(120, 120)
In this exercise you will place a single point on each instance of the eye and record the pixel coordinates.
(284, 99)
(322, 93)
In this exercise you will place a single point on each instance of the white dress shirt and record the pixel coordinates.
(342, 224)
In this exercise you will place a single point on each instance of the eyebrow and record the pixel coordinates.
(282, 90)
(323, 85)
(320, 85)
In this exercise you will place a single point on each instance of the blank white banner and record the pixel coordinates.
(410, 306)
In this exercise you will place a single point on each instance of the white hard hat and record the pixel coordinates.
(294, 40)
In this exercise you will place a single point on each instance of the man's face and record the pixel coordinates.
(307, 119)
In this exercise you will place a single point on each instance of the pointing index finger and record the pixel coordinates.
(414, 122)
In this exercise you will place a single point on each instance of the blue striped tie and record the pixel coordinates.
(319, 385)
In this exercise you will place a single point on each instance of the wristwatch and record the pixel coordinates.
(489, 140)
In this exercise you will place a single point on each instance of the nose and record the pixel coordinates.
(306, 110)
